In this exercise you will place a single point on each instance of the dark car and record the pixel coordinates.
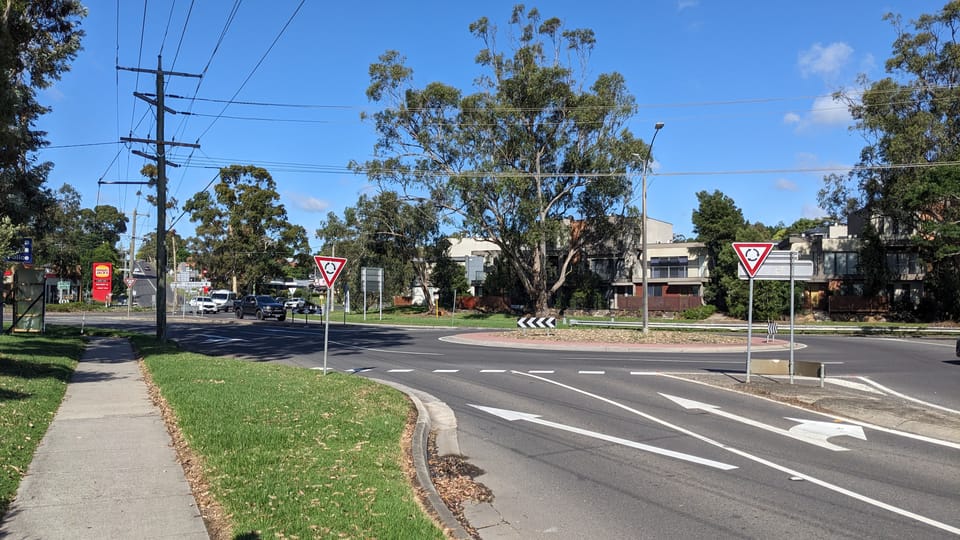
(261, 306)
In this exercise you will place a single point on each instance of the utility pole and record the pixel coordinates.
(161, 159)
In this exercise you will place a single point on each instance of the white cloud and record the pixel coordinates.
(824, 61)
(828, 111)
(783, 184)
(824, 111)
(309, 204)
(811, 211)
(684, 4)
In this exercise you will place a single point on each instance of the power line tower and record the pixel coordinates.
(161, 159)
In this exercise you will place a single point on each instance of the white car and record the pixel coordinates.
(293, 303)
(203, 304)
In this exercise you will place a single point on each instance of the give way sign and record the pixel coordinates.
(330, 268)
(752, 255)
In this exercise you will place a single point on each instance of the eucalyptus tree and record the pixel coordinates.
(910, 168)
(243, 235)
(38, 39)
(388, 232)
(76, 237)
(716, 222)
(534, 154)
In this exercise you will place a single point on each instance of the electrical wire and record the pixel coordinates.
(256, 67)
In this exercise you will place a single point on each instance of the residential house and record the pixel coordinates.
(838, 282)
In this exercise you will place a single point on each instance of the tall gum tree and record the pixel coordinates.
(534, 161)
(910, 168)
(243, 235)
(38, 39)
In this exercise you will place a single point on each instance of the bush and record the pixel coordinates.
(699, 313)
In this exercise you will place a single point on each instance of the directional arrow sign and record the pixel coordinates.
(512, 416)
(809, 431)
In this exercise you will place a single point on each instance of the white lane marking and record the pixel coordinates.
(511, 416)
(757, 459)
(543, 371)
(389, 351)
(867, 425)
(906, 397)
(655, 373)
(493, 371)
(588, 372)
(399, 370)
(446, 370)
(717, 411)
(214, 337)
(656, 361)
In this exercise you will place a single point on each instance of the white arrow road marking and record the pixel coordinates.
(816, 429)
(800, 434)
(535, 419)
(757, 459)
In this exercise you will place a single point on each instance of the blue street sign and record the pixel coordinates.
(26, 253)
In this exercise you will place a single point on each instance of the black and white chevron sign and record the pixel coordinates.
(537, 322)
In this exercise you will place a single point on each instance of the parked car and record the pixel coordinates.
(261, 306)
(294, 303)
(311, 308)
(203, 304)
(224, 299)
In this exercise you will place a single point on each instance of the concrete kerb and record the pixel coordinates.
(430, 410)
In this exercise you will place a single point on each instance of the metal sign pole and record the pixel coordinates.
(791, 317)
(326, 330)
(749, 326)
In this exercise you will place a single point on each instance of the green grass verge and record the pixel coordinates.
(34, 371)
(292, 453)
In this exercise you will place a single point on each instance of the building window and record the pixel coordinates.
(902, 263)
(841, 263)
(668, 267)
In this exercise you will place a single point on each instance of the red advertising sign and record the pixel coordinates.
(102, 281)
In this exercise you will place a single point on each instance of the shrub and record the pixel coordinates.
(699, 313)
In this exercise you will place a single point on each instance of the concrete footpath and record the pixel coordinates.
(106, 467)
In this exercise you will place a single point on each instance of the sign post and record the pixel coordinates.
(330, 268)
(782, 266)
(751, 256)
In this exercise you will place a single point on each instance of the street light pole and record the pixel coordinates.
(643, 232)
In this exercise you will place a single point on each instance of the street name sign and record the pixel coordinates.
(776, 267)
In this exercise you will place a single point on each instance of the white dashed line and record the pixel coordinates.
(493, 371)
(399, 370)
(446, 370)
(586, 372)
(541, 371)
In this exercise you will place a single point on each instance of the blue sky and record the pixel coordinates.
(742, 86)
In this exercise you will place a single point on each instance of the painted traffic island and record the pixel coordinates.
(619, 340)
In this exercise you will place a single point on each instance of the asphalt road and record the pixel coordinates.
(579, 444)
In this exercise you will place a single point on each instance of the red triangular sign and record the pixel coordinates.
(752, 255)
(330, 268)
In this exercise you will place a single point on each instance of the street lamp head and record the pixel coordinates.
(658, 125)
